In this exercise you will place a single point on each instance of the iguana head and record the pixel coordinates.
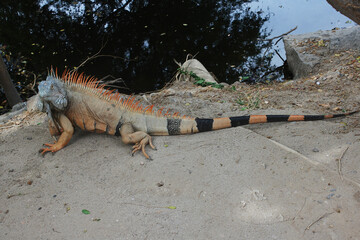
(53, 94)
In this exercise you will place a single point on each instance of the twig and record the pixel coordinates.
(1, 127)
(127, 3)
(115, 80)
(111, 81)
(14, 195)
(147, 206)
(93, 56)
(280, 36)
(279, 55)
(323, 216)
(297, 214)
(33, 85)
(339, 164)
(278, 41)
(96, 55)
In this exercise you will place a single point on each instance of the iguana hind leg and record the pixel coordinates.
(139, 138)
(65, 136)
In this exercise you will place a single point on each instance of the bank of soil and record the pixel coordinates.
(280, 180)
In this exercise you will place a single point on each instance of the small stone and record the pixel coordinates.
(315, 150)
(160, 184)
(330, 195)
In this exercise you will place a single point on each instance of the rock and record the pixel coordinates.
(16, 110)
(305, 51)
(349, 8)
(193, 65)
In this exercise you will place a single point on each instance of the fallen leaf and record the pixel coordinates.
(84, 211)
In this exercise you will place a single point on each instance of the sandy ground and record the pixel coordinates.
(298, 180)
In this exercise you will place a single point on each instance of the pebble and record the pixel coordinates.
(160, 184)
(315, 150)
(330, 195)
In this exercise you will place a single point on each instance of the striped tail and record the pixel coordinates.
(208, 124)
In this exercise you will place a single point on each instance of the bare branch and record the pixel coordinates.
(339, 163)
(321, 217)
(280, 36)
(97, 55)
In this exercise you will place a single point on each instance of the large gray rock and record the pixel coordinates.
(302, 58)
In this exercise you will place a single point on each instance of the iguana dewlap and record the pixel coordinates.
(78, 101)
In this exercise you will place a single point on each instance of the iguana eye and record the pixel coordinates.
(52, 87)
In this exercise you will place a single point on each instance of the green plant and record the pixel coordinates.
(248, 102)
(200, 81)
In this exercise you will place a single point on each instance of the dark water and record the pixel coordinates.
(137, 41)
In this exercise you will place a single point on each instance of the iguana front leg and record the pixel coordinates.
(53, 129)
(139, 138)
(65, 136)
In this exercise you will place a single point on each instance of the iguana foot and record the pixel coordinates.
(51, 148)
(139, 138)
(45, 150)
(66, 131)
(141, 146)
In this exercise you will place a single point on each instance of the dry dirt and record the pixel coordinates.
(298, 180)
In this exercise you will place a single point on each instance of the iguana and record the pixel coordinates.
(77, 100)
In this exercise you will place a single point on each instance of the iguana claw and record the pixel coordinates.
(51, 148)
(141, 146)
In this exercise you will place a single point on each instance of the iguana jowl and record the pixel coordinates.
(76, 100)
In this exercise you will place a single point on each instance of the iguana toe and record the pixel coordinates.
(141, 146)
(52, 147)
